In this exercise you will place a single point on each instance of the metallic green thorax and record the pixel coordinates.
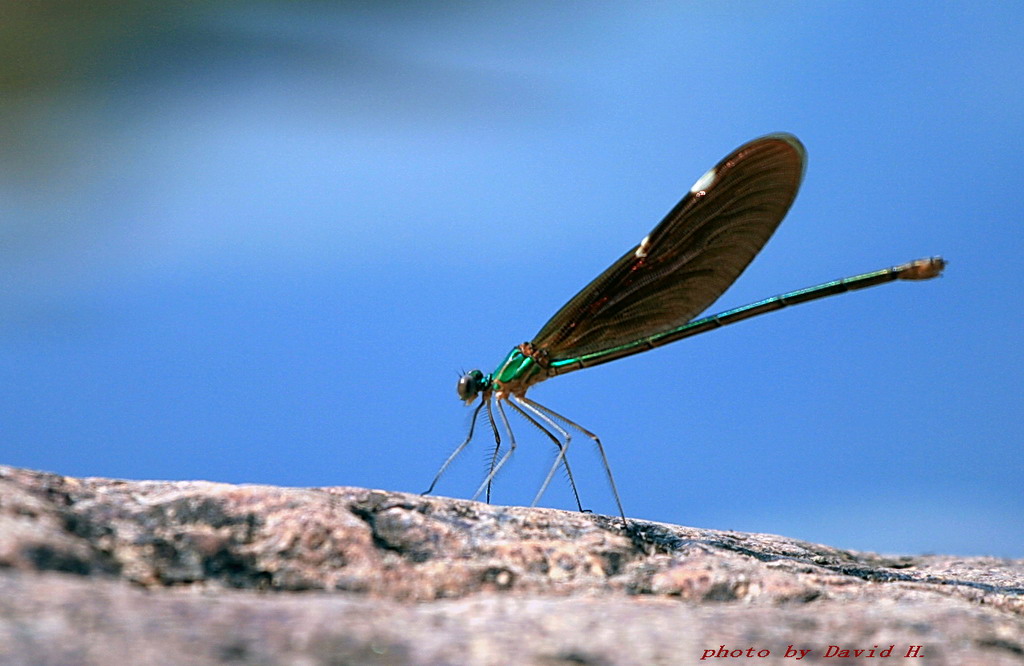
(517, 373)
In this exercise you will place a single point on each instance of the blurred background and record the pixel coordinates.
(259, 242)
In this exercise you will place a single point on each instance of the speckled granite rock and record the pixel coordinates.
(94, 571)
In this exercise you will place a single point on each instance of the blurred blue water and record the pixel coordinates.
(263, 249)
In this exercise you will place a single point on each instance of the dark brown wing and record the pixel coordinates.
(689, 259)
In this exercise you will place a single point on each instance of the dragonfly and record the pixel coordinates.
(650, 296)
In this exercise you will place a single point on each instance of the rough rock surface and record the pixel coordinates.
(97, 571)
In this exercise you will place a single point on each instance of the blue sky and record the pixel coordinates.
(262, 248)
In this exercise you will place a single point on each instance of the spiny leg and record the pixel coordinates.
(604, 458)
(497, 447)
(563, 449)
(457, 451)
(508, 454)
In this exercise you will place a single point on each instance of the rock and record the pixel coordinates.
(94, 571)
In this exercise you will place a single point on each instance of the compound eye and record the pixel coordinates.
(470, 384)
